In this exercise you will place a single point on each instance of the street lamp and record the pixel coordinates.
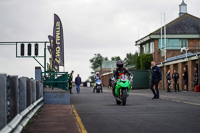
(184, 48)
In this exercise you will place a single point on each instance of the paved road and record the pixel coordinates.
(173, 113)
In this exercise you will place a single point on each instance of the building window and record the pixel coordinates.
(183, 43)
(151, 47)
(163, 43)
(170, 44)
(144, 49)
(147, 48)
(173, 44)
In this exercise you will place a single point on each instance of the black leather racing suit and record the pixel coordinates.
(118, 72)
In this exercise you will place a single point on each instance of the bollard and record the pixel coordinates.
(37, 90)
(22, 93)
(33, 85)
(3, 100)
(29, 92)
(14, 96)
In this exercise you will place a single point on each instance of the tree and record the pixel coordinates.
(91, 78)
(106, 59)
(137, 63)
(96, 61)
(115, 58)
(130, 59)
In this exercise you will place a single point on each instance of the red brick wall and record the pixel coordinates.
(172, 52)
(105, 80)
(157, 54)
(191, 65)
(193, 44)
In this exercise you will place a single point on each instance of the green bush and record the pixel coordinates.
(144, 61)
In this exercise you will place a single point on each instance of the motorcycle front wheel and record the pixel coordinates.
(124, 96)
(118, 102)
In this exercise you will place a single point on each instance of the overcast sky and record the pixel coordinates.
(108, 27)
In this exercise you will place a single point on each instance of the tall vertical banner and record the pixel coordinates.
(58, 44)
(52, 51)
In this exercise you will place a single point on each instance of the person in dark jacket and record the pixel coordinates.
(70, 78)
(78, 83)
(168, 77)
(156, 77)
(175, 77)
(196, 76)
(185, 78)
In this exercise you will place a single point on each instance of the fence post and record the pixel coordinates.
(14, 96)
(22, 93)
(3, 100)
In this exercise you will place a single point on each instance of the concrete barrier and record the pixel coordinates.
(33, 86)
(3, 100)
(29, 92)
(37, 90)
(14, 96)
(19, 100)
(22, 93)
(41, 89)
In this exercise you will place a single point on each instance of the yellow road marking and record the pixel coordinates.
(83, 130)
(178, 101)
(192, 103)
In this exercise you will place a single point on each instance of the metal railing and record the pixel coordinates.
(55, 79)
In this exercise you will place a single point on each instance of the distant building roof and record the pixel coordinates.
(186, 24)
(183, 56)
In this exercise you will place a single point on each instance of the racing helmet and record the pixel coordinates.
(120, 64)
(97, 73)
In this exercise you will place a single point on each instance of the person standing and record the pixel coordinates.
(78, 83)
(185, 78)
(70, 79)
(175, 77)
(196, 76)
(156, 77)
(168, 77)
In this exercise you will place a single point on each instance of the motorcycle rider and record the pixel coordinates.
(121, 71)
(97, 77)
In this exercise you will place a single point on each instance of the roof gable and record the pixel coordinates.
(186, 24)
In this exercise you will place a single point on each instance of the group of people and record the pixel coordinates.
(77, 82)
(175, 77)
(120, 70)
(156, 77)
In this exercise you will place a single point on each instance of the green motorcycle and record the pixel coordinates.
(122, 88)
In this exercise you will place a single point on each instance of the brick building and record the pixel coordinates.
(106, 67)
(178, 63)
(184, 31)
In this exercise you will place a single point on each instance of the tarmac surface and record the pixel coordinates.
(175, 112)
